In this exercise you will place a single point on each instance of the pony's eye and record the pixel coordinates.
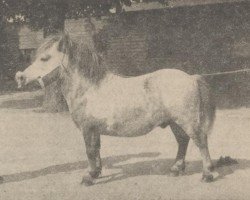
(45, 58)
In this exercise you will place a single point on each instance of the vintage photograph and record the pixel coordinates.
(124, 99)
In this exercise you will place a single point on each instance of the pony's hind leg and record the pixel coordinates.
(182, 139)
(205, 121)
(202, 144)
(92, 143)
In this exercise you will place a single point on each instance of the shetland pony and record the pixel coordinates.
(103, 103)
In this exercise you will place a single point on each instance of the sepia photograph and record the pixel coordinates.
(124, 99)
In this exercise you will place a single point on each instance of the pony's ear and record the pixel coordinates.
(64, 43)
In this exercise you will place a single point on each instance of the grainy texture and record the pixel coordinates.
(43, 156)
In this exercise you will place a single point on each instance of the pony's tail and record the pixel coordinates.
(207, 106)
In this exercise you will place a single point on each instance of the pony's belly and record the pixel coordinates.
(130, 129)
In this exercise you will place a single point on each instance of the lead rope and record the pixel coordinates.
(228, 72)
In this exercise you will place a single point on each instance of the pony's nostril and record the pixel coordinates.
(21, 77)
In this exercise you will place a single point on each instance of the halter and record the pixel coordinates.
(41, 82)
(51, 76)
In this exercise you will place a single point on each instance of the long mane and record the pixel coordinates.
(48, 43)
(84, 56)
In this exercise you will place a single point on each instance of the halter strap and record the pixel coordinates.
(52, 76)
(40, 81)
(49, 78)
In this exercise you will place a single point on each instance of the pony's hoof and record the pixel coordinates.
(207, 178)
(95, 174)
(174, 173)
(87, 181)
(177, 170)
(211, 168)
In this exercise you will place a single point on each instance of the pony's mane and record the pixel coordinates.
(83, 55)
(49, 42)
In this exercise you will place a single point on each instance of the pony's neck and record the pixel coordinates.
(74, 86)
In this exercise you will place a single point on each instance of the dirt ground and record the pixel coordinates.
(42, 157)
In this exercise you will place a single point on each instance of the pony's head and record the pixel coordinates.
(52, 55)
(60, 53)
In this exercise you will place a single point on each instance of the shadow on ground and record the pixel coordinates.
(152, 167)
(27, 103)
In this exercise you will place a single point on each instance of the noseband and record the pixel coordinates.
(50, 77)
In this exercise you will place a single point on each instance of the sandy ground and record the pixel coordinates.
(42, 157)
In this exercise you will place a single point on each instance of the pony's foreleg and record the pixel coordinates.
(98, 162)
(182, 139)
(92, 143)
(202, 144)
